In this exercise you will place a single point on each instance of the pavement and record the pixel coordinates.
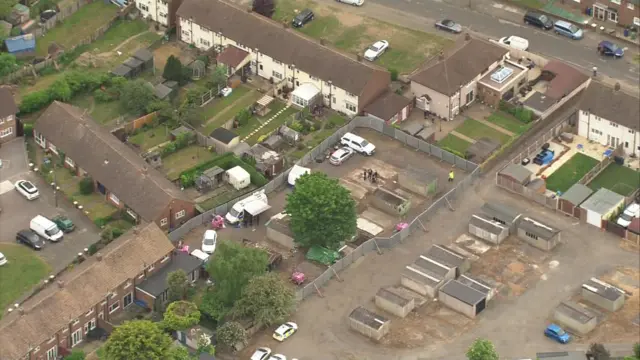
(17, 212)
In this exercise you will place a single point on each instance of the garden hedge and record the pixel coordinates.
(225, 161)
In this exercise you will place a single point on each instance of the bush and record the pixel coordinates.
(231, 333)
(102, 222)
(86, 186)
(524, 115)
(107, 235)
(454, 152)
(47, 70)
(27, 130)
(93, 248)
(34, 101)
(243, 117)
(102, 96)
(394, 74)
(225, 161)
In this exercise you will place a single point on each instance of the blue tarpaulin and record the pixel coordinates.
(21, 44)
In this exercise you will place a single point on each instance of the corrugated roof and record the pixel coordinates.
(577, 194)
(603, 201)
(445, 256)
(603, 289)
(503, 212)
(368, 317)
(485, 223)
(392, 297)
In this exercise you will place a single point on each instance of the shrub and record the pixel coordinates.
(102, 96)
(117, 232)
(86, 185)
(243, 117)
(93, 248)
(27, 130)
(107, 235)
(225, 161)
(394, 74)
(47, 70)
(34, 101)
(454, 152)
(102, 222)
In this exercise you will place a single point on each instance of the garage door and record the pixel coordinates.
(594, 218)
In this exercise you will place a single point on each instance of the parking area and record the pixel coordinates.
(17, 212)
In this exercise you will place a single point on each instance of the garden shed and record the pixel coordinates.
(430, 265)
(449, 258)
(418, 181)
(601, 206)
(145, 57)
(389, 202)
(479, 285)
(516, 173)
(571, 200)
(394, 303)
(537, 234)
(123, 71)
(198, 69)
(603, 295)
(135, 64)
(279, 232)
(268, 162)
(224, 140)
(306, 96)
(488, 229)
(22, 45)
(421, 281)
(369, 323)
(462, 298)
(163, 92)
(210, 179)
(502, 213)
(575, 317)
(288, 134)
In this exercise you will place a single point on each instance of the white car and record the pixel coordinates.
(285, 330)
(3, 259)
(226, 92)
(209, 241)
(374, 51)
(632, 211)
(352, 2)
(27, 189)
(515, 42)
(358, 144)
(341, 155)
(261, 353)
(278, 357)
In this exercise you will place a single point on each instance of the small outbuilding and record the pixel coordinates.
(479, 285)
(421, 281)
(603, 295)
(210, 179)
(394, 303)
(443, 270)
(390, 107)
(224, 140)
(575, 317)
(163, 92)
(418, 181)
(369, 323)
(286, 134)
(389, 202)
(262, 105)
(267, 161)
(516, 173)
(462, 298)
(238, 177)
(482, 149)
(488, 229)
(145, 57)
(306, 96)
(601, 206)
(537, 234)
(571, 200)
(449, 258)
(173, 135)
(22, 45)
(123, 71)
(135, 64)
(503, 214)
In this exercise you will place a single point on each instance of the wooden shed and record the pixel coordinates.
(488, 229)
(571, 200)
(537, 234)
(394, 303)
(441, 254)
(603, 295)
(462, 298)
(575, 317)
(503, 214)
(369, 323)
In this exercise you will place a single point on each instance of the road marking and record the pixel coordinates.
(5, 187)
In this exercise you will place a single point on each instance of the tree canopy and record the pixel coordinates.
(7, 62)
(5, 8)
(141, 339)
(76, 355)
(60, 90)
(322, 211)
(599, 352)
(178, 285)
(231, 333)
(181, 315)
(173, 69)
(218, 78)
(267, 299)
(482, 349)
(136, 96)
(264, 7)
(232, 266)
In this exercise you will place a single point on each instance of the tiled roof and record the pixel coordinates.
(7, 104)
(613, 105)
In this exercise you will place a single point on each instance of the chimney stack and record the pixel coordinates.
(60, 284)
(21, 311)
(617, 86)
(99, 256)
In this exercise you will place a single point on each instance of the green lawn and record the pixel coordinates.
(185, 159)
(216, 106)
(103, 113)
(23, 271)
(570, 172)
(273, 125)
(150, 138)
(508, 122)
(477, 130)
(95, 203)
(227, 109)
(454, 143)
(77, 27)
(617, 178)
(118, 33)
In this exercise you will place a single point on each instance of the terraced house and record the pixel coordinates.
(93, 295)
(120, 174)
(8, 110)
(281, 55)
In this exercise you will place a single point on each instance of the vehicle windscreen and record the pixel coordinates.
(209, 242)
(28, 187)
(626, 217)
(544, 18)
(52, 231)
(364, 143)
(613, 47)
(374, 48)
(573, 28)
(561, 332)
(234, 212)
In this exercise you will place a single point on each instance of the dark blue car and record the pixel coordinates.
(555, 332)
(608, 48)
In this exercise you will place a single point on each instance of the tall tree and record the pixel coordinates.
(482, 349)
(181, 315)
(60, 90)
(191, 114)
(231, 334)
(267, 299)
(233, 265)
(173, 69)
(322, 211)
(599, 352)
(178, 285)
(218, 78)
(264, 7)
(141, 339)
(136, 96)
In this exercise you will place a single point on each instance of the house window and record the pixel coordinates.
(150, 268)
(162, 15)
(205, 42)
(89, 313)
(76, 337)
(115, 306)
(114, 198)
(92, 324)
(613, 124)
(133, 215)
(350, 94)
(163, 222)
(127, 300)
(276, 75)
(6, 132)
(636, 21)
(180, 214)
(261, 67)
(630, 6)
(277, 62)
(143, 7)
(76, 321)
(52, 354)
(626, 144)
(52, 339)
(192, 276)
(128, 284)
(86, 328)
(69, 161)
(350, 107)
(165, 258)
(585, 113)
(185, 32)
(499, 221)
(533, 236)
(631, 131)
(101, 315)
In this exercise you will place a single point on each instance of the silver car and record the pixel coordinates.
(341, 155)
(449, 25)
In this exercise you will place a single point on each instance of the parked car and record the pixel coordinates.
(261, 353)
(341, 155)
(538, 20)
(302, 18)
(284, 331)
(449, 25)
(46, 15)
(352, 2)
(515, 42)
(376, 49)
(27, 189)
(278, 357)
(236, 214)
(555, 332)
(64, 223)
(3, 259)
(30, 238)
(608, 48)
(358, 144)
(226, 92)
(567, 29)
(632, 211)
(46, 228)
(209, 241)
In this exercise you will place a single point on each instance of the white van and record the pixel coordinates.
(295, 173)
(515, 42)
(46, 228)
(236, 213)
(358, 144)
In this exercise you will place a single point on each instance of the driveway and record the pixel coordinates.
(17, 211)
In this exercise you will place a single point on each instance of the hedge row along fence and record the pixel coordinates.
(225, 161)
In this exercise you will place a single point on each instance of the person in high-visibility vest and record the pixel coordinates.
(451, 175)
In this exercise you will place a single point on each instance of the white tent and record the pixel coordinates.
(238, 177)
(305, 94)
(296, 172)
